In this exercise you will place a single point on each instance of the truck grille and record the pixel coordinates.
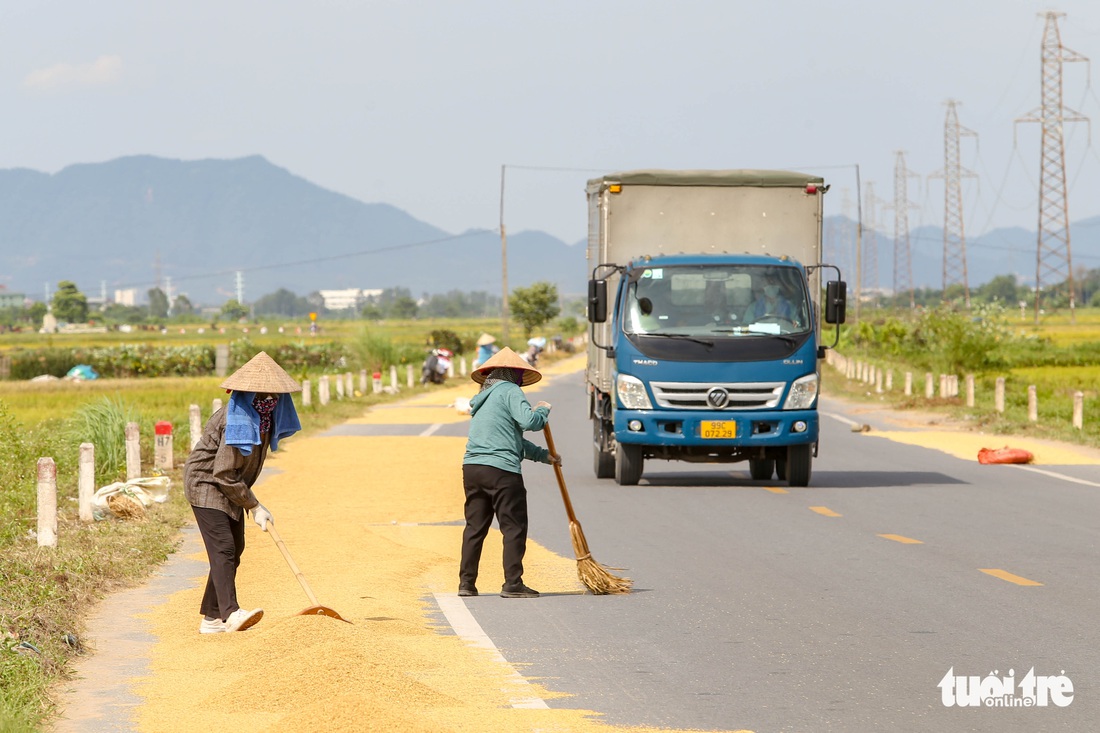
(738, 396)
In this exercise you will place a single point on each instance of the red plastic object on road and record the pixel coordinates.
(1004, 455)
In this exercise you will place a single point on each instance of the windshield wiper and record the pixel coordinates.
(684, 336)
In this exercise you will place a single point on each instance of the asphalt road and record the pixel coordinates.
(776, 609)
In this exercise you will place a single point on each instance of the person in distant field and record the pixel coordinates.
(771, 303)
(220, 472)
(491, 469)
(486, 347)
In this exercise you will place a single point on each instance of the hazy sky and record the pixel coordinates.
(419, 104)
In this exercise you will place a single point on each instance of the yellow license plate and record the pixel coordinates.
(717, 429)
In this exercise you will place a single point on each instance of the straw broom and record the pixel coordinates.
(595, 577)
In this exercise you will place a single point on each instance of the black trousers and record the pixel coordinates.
(491, 491)
(224, 540)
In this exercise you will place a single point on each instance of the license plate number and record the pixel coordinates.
(717, 429)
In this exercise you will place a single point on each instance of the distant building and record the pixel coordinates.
(126, 297)
(338, 300)
(11, 300)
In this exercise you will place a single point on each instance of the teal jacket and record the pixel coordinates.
(500, 415)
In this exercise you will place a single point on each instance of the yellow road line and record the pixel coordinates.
(901, 539)
(1004, 575)
(824, 511)
(775, 490)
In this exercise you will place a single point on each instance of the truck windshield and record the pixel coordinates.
(714, 302)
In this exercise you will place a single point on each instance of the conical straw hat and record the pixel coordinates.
(508, 359)
(485, 339)
(261, 374)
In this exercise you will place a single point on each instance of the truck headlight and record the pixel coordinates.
(803, 393)
(632, 393)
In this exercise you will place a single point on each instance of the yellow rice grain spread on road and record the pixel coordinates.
(374, 524)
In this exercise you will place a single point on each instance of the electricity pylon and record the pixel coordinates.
(870, 242)
(903, 261)
(954, 232)
(1053, 260)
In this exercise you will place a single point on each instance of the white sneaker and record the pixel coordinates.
(241, 619)
(212, 626)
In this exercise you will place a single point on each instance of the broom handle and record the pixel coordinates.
(559, 474)
(290, 561)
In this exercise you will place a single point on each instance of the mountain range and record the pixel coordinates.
(196, 226)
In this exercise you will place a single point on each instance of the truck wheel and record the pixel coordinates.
(761, 469)
(628, 464)
(603, 461)
(799, 462)
(781, 469)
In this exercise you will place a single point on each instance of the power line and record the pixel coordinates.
(315, 260)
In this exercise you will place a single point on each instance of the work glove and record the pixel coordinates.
(262, 516)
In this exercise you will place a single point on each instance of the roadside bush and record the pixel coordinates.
(103, 424)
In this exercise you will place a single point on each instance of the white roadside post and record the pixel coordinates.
(1079, 410)
(409, 375)
(339, 387)
(363, 381)
(47, 503)
(194, 415)
(215, 405)
(349, 385)
(393, 378)
(999, 395)
(86, 482)
(307, 393)
(133, 451)
(322, 390)
(969, 390)
(162, 446)
(1032, 404)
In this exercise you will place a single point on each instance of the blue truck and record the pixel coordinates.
(706, 303)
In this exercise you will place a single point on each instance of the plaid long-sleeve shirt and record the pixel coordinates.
(218, 476)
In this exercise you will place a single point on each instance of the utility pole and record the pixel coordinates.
(859, 244)
(503, 266)
(903, 261)
(240, 287)
(954, 233)
(1053, 260)
(870, 246)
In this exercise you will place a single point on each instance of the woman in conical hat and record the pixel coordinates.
(486, 347)
(220, 472)
(491, 475)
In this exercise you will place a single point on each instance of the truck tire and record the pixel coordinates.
(603, 461)
(628, 464)
(761, 469)
(781, 469)
(799, 463)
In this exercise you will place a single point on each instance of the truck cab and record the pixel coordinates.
(705, 354)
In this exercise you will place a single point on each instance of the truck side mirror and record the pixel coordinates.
(597, 301)
(836, 301)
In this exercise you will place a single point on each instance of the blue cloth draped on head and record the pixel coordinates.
(242, 422)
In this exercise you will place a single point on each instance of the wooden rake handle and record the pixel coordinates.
(290, 561)
(557, 472)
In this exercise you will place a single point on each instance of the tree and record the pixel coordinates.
(69, 304)
(182, 306)
(158, 303)
(233, 310)
(534, 306)
(283, 303)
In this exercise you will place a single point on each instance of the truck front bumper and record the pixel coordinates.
(754, 429)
